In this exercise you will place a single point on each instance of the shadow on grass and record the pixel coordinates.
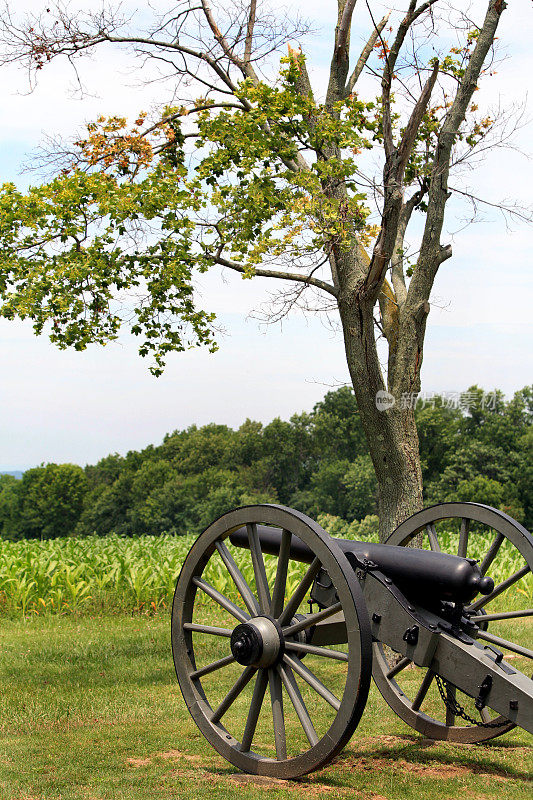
(429, 759)
(421, 759)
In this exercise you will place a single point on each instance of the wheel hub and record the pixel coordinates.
(257, 643)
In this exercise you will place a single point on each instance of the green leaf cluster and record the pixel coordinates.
(115, 239)
(71, 259)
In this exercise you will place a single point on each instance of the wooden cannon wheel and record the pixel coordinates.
(233, 646)
(498, 542)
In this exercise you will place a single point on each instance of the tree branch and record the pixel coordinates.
(344, 29)
(397, 272)
(244, 66)
(390, 315)
(340, 60)
(303, 83)
(522, 213)
(188, 51)
(411, 129)
(416, 308)
(396, 158)
(250, 32)
(365, 54)
(390, 62)
(286, 276)
(431, 252)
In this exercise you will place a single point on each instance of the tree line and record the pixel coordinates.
(473, 447)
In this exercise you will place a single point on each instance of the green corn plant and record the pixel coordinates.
(67, 575)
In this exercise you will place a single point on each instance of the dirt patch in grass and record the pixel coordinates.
(378, 754)
(430, 769)
(261, 781)
(169, 755)
(138, 762)
(176, 754)
(390, 754)
(395, 754)
(309, 787)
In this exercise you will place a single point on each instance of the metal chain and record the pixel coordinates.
(458, 709)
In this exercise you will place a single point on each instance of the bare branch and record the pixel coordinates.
(431, 253)
(397, 260)
(393, 178)
(514, 210)
(245, 66)
(250, 32)
(286, 276)
(365, 54)
(390, 63)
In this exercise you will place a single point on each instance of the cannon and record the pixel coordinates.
(277, 628)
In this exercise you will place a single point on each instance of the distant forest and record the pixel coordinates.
(477, 449)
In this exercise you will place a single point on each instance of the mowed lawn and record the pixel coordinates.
(91, 710)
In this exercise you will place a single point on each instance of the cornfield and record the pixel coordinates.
(133, 574)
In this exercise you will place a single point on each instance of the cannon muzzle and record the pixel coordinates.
(424, 576)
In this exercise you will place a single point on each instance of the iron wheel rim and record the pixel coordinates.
(359, 644)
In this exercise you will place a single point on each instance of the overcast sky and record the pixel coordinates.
(68, 406)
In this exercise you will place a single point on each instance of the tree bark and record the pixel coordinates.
(390, 431)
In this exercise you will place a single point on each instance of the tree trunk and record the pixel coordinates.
(389, 428)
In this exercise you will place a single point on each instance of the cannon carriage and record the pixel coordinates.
(290, 649)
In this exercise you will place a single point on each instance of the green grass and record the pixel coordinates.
(91, 710)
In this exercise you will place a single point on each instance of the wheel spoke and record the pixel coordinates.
(261, 582)
(193, 626)
(451, 693)
(289, 681)
(278, 719)
(497, 640)
(463, 537)
(402, 664)
(223, 601)
(255, 709)
(222, 662)
(312, 619)
(422, 692)
(312, 680)
(299, 647)
(278, 592)
(245, 676)
(526, 612)
(491, 554)
(501, 587)
(301, 590)
(238, 579)
(432, 536)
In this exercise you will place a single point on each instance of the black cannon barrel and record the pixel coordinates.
(424, 575)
